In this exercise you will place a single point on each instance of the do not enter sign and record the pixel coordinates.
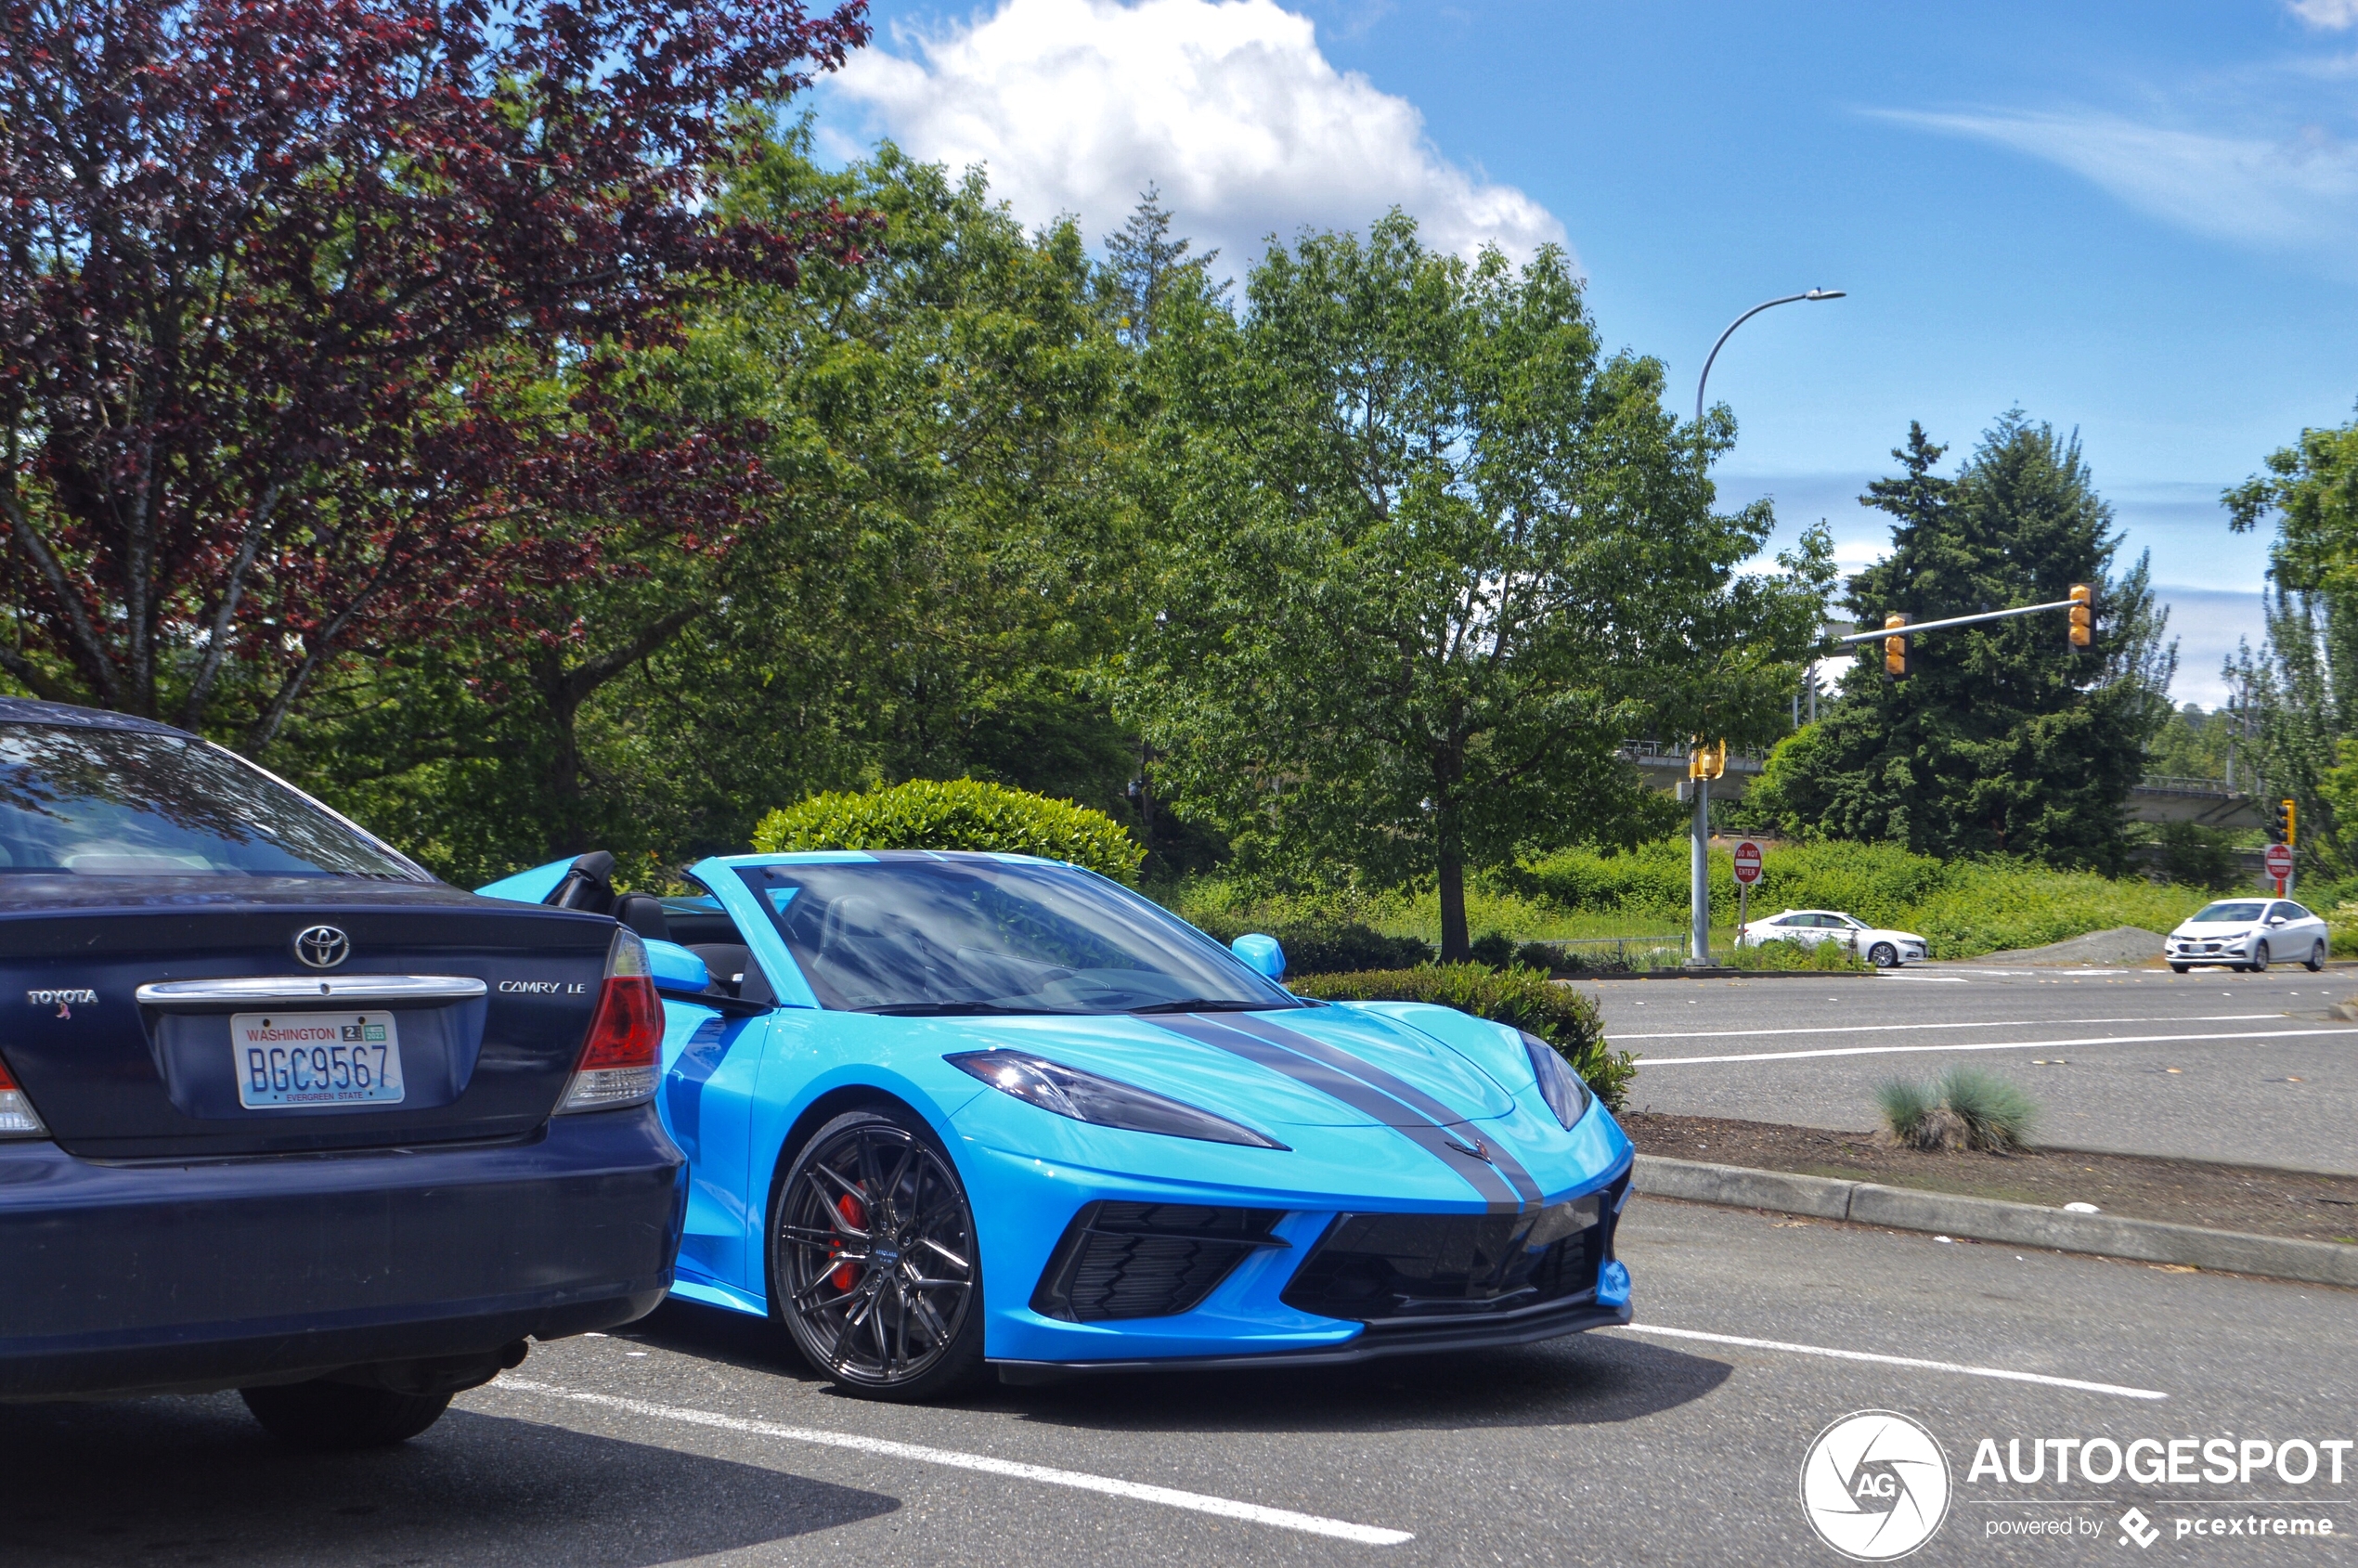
(2279, 860)
(1748, 862)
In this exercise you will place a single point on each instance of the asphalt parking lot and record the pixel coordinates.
(693, 1439)
(2209, 1065)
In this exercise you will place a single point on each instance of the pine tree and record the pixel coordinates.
(1142, 262)
(2002, 739)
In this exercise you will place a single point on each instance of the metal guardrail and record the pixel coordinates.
(2175, 785)
(1677, 751)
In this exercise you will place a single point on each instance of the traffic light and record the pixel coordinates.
(2283, 831)
(1895, 649)
(2083, 615)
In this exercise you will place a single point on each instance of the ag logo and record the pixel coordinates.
(1875, 1485)
(322, 947)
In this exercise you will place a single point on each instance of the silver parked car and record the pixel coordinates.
(2248, 934)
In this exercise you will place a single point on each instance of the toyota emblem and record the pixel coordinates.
(322, 947)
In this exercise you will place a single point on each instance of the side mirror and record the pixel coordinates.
(1260, 955)
(2275, 920)
(676, 968)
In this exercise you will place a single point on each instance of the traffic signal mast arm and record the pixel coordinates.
(1914, 627)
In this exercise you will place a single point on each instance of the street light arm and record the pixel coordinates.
(1765, 304)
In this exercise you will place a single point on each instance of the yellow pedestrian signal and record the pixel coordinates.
(2083, 615)
(1895, 649)
(2283, 834)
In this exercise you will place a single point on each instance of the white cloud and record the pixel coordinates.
(2326, 13)
(2299, 193)
(1075, 106)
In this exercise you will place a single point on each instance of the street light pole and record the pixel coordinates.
(1699, 855)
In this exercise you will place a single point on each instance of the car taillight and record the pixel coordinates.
(17, 1119)
(617, 1062)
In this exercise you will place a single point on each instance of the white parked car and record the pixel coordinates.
(1885, 949)
(2248, 934)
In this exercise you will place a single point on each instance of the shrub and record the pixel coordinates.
(1967, 1109)
(1787, 954)
(1318, 947)
(1520, 997)
(954, 815)
(1494, 948)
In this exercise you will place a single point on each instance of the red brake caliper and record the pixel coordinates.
(855, 1214)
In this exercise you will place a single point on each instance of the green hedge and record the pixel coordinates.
(1521, 998)
(954, 815)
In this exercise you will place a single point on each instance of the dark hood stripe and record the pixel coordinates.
(1417, 1126)
(1391, 1083)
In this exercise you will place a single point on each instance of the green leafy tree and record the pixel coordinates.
(2002, 739)
(935, 557)
(2303, 682)
(1432, 556)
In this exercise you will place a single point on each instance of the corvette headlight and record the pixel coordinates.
(1559, 1085)
(1085, 1097)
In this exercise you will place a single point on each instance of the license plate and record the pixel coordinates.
(293, 1059)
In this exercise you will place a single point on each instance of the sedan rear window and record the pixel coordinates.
(90, 802)
(2228, 914)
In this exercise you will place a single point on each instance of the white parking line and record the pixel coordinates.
(1997, 1023)
(2005, 1374)
(1224, 1508)
(1987, 1045)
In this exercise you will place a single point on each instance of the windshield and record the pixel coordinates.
(914, 932)
(115, 802)
(2227, 915)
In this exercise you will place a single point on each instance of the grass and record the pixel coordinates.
(1962, 907)
(1966, 1109)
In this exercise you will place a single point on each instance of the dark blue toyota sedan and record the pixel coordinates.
(282, 1114)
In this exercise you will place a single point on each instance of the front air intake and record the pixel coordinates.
(1147, 1260)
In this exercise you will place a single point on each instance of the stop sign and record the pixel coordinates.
(1747, 862)
(2280, 861)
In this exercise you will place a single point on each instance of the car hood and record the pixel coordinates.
(1313, 1067)
(2211, 930)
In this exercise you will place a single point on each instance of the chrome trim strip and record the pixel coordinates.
(289, 990)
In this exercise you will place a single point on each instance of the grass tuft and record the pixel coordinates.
(1966, 1109)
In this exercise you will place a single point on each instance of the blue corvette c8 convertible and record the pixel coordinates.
(943, 1110)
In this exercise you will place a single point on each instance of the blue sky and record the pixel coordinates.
(2138, 221)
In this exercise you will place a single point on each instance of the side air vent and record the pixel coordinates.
(1147, 1260)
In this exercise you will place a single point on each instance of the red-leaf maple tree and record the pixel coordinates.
(285, 285)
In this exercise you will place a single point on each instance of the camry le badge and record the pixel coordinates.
(322, 947)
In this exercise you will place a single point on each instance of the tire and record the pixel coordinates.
(1883, 955)
(2316, 959)
(2259, 959)
(338, 1416)
(2179, 968)
(869, 1316)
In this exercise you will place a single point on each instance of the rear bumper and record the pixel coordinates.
(121, 1278)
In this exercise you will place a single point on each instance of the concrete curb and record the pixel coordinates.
(1988, 1219)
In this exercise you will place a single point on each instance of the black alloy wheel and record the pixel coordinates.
(2259, 959)
(2316, 959)
(874, 1264)
(1883, 955)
